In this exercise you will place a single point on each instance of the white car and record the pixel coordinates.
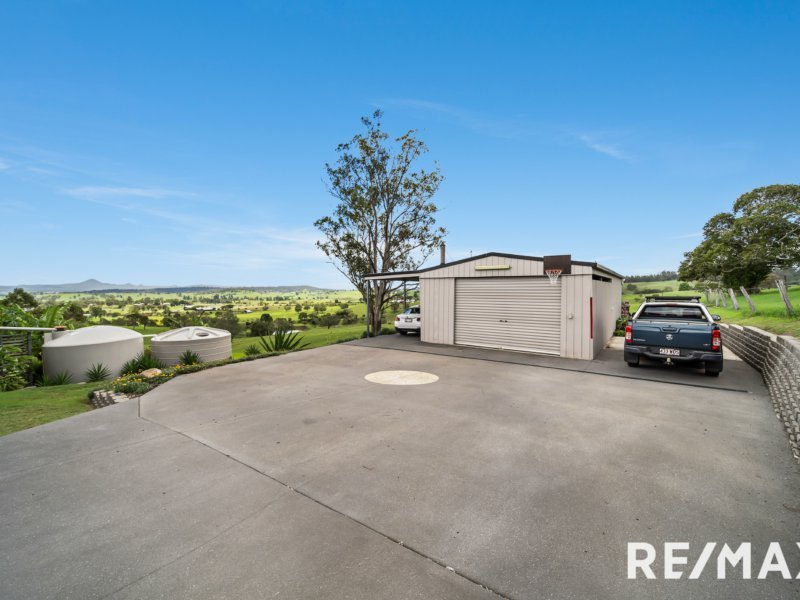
(408, 321)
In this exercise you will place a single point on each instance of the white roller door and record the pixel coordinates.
(514, 313)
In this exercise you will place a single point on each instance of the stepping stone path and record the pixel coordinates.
(103, 398)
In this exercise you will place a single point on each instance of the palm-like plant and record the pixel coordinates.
(143, 361)
(189, 358)
(283, 341)
(252, 350)
(61, 378)
(98, 372)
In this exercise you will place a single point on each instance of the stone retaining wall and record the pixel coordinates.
(777, 358)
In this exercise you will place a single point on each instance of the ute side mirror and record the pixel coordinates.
(716, 317)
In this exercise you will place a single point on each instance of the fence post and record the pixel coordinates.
(734, 301)
(785, 297)
(708, 296)
(748, 298)
(722, 297)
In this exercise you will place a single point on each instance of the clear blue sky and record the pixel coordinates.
(185, 142)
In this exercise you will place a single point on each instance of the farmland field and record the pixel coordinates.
(151, 312)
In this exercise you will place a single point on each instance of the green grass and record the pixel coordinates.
(316, 337)
(23, 409)
(770, 313)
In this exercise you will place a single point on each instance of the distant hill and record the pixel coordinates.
(93, 285)
(90, 285)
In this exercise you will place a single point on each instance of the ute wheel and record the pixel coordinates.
(633, 364)
(712, 373)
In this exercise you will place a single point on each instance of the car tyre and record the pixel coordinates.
(712, 372)
(633, 364)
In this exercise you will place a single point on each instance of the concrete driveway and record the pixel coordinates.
(295, 477)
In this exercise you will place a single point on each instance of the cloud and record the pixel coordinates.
(90, 192)
(254, 249)
(696, 234)
(511, 127)
(611, 150)
(4, 165)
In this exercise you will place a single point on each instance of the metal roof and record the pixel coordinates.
(414, 275)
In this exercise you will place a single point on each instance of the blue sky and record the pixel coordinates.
(185, 142)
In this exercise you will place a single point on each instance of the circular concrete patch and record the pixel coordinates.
(401, 377)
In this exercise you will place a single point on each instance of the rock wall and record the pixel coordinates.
(777, 358)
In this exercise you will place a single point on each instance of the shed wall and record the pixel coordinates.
(437, 299)
(575, 293)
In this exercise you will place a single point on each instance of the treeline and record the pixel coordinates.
(662, 276)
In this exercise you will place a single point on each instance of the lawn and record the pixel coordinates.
(316, 337)
(770, 313)
(29, 407)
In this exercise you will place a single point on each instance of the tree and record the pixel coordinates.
(21, 298)
(226, 319)
(74, 312)
(384, 219)
(282, 324)
(136, 318)
(261, 328)
(742, 247)
(770, 218)
(328, 320)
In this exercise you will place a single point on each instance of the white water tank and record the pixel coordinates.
(208, 343)
(76, 350)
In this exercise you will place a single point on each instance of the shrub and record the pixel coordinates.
(130, 367)
(619, 329)
(252, 350)
(189, 358)
(143, 361)
(13, 368)
(98, 372)
(132, 387)
(283, 341)
(148, 361)
(62, 378)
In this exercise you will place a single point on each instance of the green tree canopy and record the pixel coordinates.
(384, 219)
(742, 247)
(21, 298)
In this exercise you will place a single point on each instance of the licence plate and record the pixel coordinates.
(408, 320)
(669, 351)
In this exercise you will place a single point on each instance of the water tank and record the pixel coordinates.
(208, 343)
(76, 350)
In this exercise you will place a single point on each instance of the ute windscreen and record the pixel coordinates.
(683, 313)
